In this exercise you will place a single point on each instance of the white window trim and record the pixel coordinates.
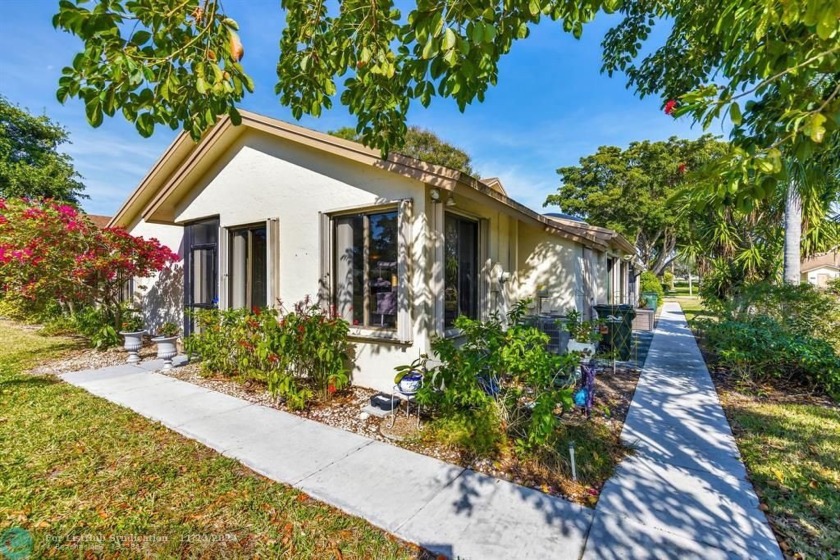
(272, 272)
(403, 332)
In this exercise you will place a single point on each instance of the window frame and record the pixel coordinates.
(230, 232)
(189, 249)
(480, 236)
(401, 332)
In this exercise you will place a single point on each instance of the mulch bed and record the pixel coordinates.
(613, 395)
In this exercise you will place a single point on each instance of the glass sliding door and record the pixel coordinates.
(248, 267)
(461, 282)
(201, 275)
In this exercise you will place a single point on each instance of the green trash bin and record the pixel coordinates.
(618, 334)
(651, 300)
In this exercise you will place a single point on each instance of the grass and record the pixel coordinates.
(791, 451)
(87, 478)
(692, 307)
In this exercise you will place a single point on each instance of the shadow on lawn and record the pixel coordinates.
(29, 381)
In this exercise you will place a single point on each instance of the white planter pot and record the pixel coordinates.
(586, 348)
(133, 344)
(167, 348)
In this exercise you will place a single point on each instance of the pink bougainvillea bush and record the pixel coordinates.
(50, 252)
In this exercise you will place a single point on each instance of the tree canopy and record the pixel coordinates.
(149, 58)
(770, 67)
(628, 190)
(424, 145)
(30, 163)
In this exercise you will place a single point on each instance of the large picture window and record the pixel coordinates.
(461, 282)
(366, 268)
(248, 267)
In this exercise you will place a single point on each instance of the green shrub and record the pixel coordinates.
(297, 354)
(478, 431)
(668, 281)
(648, 282)
(802, 310)
(833, 287)
(496, 384)
(758, 347)
(783, 332)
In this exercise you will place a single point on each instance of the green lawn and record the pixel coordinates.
(793, 455)
(792, 452)
(692, 307)
(87, 478)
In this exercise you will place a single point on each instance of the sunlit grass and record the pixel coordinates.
(74, 466)
(793, 455)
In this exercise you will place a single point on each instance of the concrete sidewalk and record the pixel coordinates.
(444, 508)
(684, 494)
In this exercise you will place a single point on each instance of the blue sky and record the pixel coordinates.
(552, 105)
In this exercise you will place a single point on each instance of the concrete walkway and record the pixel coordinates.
(684, 494)
(444, 508)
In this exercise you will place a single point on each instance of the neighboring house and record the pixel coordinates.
(99, 221)
(821, 269)
(268, 211)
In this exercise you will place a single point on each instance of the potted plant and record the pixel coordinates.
(132, 331)
(166, 340)
(410, 377)
(584, 335)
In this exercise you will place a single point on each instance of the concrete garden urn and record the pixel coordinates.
(167, 348)
(133, 344)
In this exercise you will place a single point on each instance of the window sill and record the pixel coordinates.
(380, 335)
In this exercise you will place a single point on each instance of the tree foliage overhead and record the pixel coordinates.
(628, 190)
(424, 145)
(771, 67)
(30, 164)
(149, 58)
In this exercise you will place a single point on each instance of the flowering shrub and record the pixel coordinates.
(51, 251)
(299, 353)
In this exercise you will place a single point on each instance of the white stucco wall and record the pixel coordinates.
(161, 297)
(826, 272)
(552, 267)
(263, 177)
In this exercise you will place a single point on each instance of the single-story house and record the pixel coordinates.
(819, 270)
(269, 212)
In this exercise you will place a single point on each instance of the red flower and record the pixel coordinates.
(331, 389)
(670, 106)
(681, 167)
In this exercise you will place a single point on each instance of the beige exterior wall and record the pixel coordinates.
(821, 276)
(160, 298)
(262, 177)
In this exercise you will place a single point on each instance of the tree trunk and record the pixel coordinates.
(793, 235)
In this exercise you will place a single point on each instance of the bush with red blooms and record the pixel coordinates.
(51, 252)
